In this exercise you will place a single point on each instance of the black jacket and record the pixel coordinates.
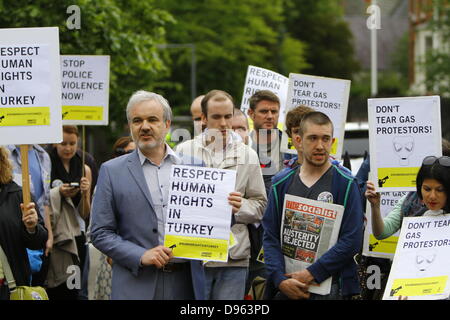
(14, 238)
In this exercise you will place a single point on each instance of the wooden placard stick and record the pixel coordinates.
(83, 172)
(25, 174)
(83, 147)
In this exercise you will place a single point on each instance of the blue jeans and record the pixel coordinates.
(225, 283)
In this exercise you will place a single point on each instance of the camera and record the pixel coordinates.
(74, 185)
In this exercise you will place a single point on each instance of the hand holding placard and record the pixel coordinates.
(158, 256)
(29, 216)
(235, 201)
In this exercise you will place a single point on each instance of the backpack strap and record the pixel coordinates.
(7, 271)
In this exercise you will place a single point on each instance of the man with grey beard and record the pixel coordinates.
(129, 211)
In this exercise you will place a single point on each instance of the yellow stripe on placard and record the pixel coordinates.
(397, 177)
(280, 126)
(418, 286)
(232, 239)
(334, 146)
(24, 116)
(250, 124)
(82, 113)
(387, 245)
(198, 248)
(260, 257)
(290, 144)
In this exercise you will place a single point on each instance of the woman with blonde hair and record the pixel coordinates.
(20, 228)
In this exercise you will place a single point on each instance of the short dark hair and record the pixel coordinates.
(71, 130)
(438, 172)
(315, 117)
(262, 95)
(295, 116)
(218, 95)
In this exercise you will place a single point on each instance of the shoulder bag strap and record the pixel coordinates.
(7, 270)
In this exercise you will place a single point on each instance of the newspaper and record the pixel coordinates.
(309, 228)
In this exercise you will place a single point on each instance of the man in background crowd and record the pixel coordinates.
(196, 112)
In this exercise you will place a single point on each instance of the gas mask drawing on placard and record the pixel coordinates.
(403, 147)
(424, 261)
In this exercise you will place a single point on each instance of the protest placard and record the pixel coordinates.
(30, 86)
(402, 132)
(420, 267)
(308, 229)
(198, 214)
(85, 90)
(262, 79)
(327, 95)
(381, 248)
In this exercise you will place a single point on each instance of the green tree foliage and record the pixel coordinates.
(392, 82)
(320, 24)
(229, 36)
(437, 62)
(400, 61)
(127, 30)
(292, 55)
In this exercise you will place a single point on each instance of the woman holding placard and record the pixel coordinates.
(19, 229)
(433, 197)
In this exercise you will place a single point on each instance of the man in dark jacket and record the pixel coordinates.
(315, 179)
(265, 139)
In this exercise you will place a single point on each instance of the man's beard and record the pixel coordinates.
(317, 164)
(147, 146)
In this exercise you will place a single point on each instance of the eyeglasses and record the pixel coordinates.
(430, 160)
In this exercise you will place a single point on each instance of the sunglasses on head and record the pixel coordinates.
(430, 160)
